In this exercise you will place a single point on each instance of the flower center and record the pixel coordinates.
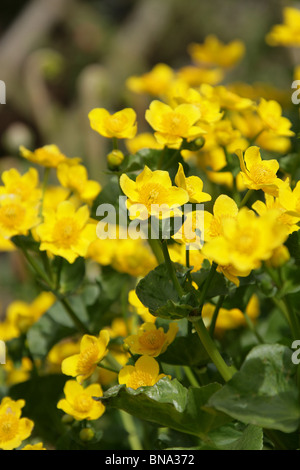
(153, 193)
(9, 425)
(152, 339)
(262, 175)
(87, 359)
(83, 403)
(175, 124)
(117, 123)
(11, 215)
(246, 242)
(140, 379)
(66, 232)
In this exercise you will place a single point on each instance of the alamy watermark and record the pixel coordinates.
(2, 92)
(160, 221)
(296, 94)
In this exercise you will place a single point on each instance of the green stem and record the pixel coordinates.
(156, 249)
(102, 366)
(161, 158)
(246, 198)
(192, 379)
(171, 269)
(187, 262)
(115, 143)
(252, 328)
(215, 315)
(78, 323)
(204, 291)
(225, 371)
(133, 437)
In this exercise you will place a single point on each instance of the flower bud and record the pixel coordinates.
(115, 158)
(86, 434)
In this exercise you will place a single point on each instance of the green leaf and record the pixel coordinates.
(41, 395)
(156, 291)
(293, 245)
(186, 351)
(217, 287)
(71, 275)
(49, 330)
(290, 163)
(169, 404)
(263, 392)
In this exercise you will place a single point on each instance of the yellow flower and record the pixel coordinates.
(257, 173)
(193, 185)
(155, 82)
(195, 76)
(92, 351)
(226, 98)
(49, 156)
(247, 240)
(106, 377)
(13, 428)
(17, 374)
(38, 446)
(144, 373)
(270, 113)
(151, 189)
(23, 315)
(67, 232)
(173, 125)
(121, 125)
(224, 208)
(283, 216)
(59, 352)
(151, 341)
(76, 179)
(145, 140)
(233, 318)
(288, 33)
(125, 255)
(137, 306)
(178, 255)
(25, 186)
(214, 52)
(16, 217)
(290, 200)
(79, 401)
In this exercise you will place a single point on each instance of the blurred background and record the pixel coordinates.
(61, 58)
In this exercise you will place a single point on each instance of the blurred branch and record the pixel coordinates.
(33, 23)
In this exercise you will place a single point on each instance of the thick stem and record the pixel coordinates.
(171, 269)
(226, 371)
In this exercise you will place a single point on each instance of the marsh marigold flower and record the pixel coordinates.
(257, 173)
(151, 341)
(155, 82)
(144, 373)
(121, 125)
(247, 240)
(49, 156)
(13, 428)
(67, 232)
(290, 199)
(270, 113)
(214, 52)
(25, 186)
(174, 125)
(79, 401)
(193, 185)
(38, 446)
(16, 217)
(23, 315)
(151, 188)
(92, 351)
(288, 33)
(76, 179)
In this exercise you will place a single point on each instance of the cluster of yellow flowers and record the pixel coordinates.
(222, 134)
